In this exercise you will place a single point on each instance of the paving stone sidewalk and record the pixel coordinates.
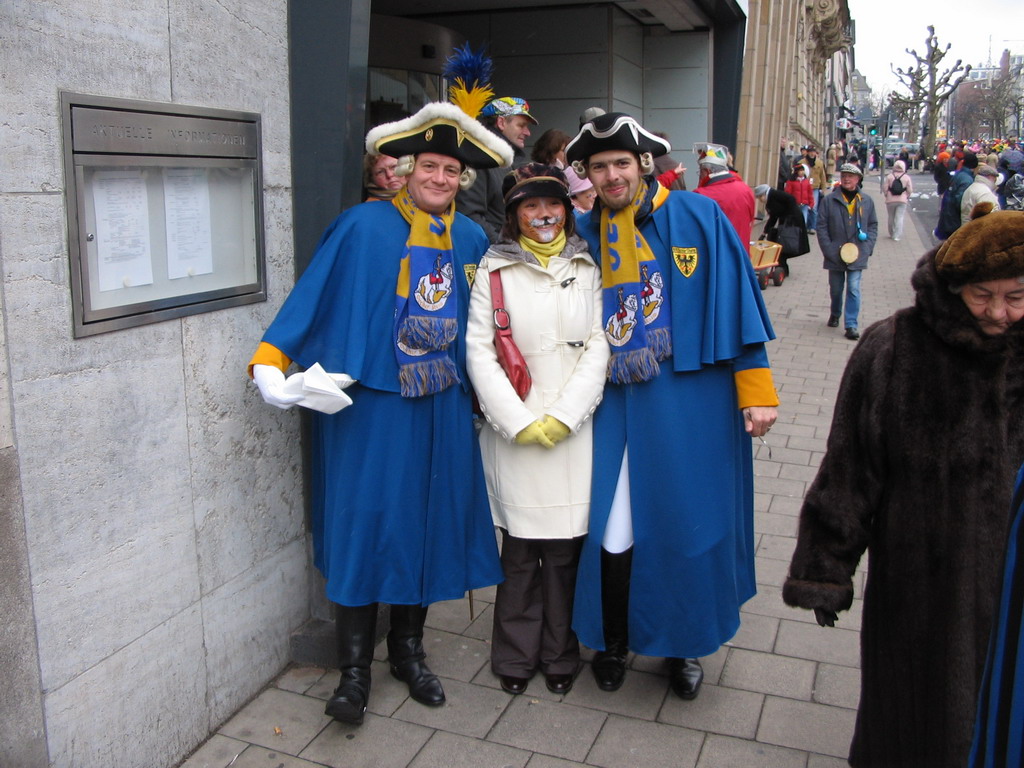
(781, 694)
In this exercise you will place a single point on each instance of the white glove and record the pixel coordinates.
(270, 380)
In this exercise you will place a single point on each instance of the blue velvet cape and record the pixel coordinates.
(999, 729)
(400, 511)
(690, 465)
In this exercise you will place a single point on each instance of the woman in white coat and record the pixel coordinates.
(537, 451)
(896, 200)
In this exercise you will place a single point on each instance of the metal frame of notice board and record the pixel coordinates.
(165, 212)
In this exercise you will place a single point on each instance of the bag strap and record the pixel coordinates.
(498, 303)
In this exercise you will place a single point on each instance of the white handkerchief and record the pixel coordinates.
(318, 389)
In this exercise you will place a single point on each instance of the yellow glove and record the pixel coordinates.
(554, 429)
(534, 434)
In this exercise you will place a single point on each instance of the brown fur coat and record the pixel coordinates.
(927, 435)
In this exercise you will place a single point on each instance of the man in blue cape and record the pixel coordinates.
(669, 558)
(400, 512)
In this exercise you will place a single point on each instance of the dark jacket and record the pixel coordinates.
(949, 211)
(483, 202)
(927, 434)
(783, 209)
(836, 228)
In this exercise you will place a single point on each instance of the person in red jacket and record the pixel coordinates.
(726, 187)
(799, 186)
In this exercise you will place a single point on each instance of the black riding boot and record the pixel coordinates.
(355, 629)
(685, 677)
(609, 665)
(406, 654)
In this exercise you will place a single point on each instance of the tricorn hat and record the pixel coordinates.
(711, 154)
(988, 248)
(449, 128)
(614, 130)
(445, 129)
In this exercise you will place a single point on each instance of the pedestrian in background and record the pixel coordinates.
(783, 214)
(799, 186)
(819, 180)
(847, 231)
(898, 188)
(538, 451)
(929, 506)
(725, 187)
(949, 209)
(550, 148)
(982, 191)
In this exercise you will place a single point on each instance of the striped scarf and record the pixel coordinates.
(635, 295)
(427, 325)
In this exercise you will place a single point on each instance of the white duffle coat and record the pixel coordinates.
(556, 319)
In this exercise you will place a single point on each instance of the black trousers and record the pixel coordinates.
(533, 609)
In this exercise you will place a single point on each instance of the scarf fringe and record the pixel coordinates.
(430, 333)
(635, 366)
(427, 377)
(660, 342)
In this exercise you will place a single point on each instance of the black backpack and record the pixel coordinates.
(896, 187)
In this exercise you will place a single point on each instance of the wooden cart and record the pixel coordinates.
(764, 255)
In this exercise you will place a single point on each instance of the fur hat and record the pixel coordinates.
(988, 248)
(535, 180)
(614, 130)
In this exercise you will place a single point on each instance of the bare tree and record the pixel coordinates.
(928, 86)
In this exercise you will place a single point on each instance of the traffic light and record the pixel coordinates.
(873, 130)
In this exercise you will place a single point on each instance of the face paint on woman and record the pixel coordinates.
(541, 218)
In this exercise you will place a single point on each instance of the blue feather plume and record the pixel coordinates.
(473, 69)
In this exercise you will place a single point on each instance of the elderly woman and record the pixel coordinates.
(537, 451)
(380, 181)
(927, 435)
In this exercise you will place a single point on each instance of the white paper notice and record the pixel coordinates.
(122, 229)
(187, 211)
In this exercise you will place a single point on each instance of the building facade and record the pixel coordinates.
(154, 553)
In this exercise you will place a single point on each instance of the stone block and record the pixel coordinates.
(716, 709)
(837, 686)
(246, 627)
(639, 697)
(725, 752)
(454, 751)
(218, 752)
(469, 710)
(159, 678)
(556, 729)
(768, 673)
(455, 656)
(279, 720)
(71, 42)
(626, 743)
(834, 645)
(380, 742)
(756, 633)
(811, 727)
(207, 70)
(22, 732)
(107, 514)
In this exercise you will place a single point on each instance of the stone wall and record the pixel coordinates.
(154, 546)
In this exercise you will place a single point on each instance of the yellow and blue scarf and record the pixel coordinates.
(426, 301)
(635, 294)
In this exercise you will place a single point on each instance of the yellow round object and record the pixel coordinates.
(849, 252)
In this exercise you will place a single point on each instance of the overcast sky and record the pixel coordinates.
(885, 29)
